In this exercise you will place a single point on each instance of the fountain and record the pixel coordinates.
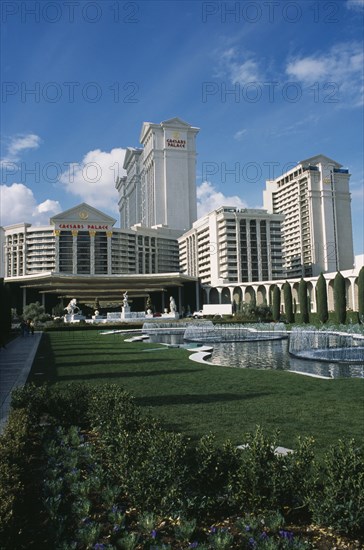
(326, 345)
(232, 332)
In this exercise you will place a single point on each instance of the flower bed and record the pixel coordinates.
(82, 468)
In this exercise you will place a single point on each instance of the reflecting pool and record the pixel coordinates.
(268, 354)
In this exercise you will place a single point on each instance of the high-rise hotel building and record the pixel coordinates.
(317, 230)
(160, 185)
(231, 245)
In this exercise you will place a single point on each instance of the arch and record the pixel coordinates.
(330, 295)
(349, 295)
(261, 295)
(356, 294)
(249, 295)
(311, 297)
(295, 296)
(237, 295)
(225, 296)
(214, 296)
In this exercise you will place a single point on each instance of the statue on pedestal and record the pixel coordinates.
(172, 305)
(72, 306)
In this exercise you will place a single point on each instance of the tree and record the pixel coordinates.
(361, 294)
(276, 306)
(302, 298)
(288, 305)
(339, 298)
(35, 312)
(321, 297)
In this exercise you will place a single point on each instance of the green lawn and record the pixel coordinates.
(196, 399)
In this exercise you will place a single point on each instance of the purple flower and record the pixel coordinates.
(213, 529)
(99, 546)
(252, 542)
(286, 534)
(193, 544)
(264, 536)
(153, 534)
(247, 528)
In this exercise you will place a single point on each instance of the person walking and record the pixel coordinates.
(23, 327)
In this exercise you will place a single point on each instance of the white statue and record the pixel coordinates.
(125, 299)
(172, 305)
(72, 306)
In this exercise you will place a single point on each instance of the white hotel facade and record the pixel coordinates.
(231, 245)
(317, 231)
(161, 249)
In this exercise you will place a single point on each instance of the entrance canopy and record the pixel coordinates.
(86, 288)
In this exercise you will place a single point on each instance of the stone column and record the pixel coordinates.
(197, 289)
(56, 249)
(179, 300)
(92, 234)
(74, 251)
(24, 297)
(109, 235)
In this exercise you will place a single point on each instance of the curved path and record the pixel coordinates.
(15, 364)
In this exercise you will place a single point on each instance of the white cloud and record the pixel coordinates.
(239, 68)
(208, 198)
(18, 204)
(340, 69)
(356, 5)
(93, 179)
(240, 133)
(21, 142)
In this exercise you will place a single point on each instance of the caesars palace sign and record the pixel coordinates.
(175, 141)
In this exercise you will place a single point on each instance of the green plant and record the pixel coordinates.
(321, 295)
(36, 312)
(303, 301)
(220, 539)
(129, 541)
(288, 305)
(361, 294)
(14, 463)
(340, 298)
(337, 497)
(184, 529)
(276, 305)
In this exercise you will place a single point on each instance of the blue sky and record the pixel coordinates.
(268, 83)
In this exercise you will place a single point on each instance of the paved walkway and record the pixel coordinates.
(15, 364)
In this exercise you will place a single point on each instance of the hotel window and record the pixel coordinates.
(100, 253)
(243, 251)
(65, 252)
(83, 252)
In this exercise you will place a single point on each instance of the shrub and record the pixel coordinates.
(150, 467)
(14, 461)
(211, 471)
(361, 294)
(303, 300)
(35, 399)
(112, 409)
(337, 498)
(340, 298)
(276, 307)
(321, 291)
(288, 305)
(266, 480)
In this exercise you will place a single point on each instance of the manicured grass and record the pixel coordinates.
(197, 399)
